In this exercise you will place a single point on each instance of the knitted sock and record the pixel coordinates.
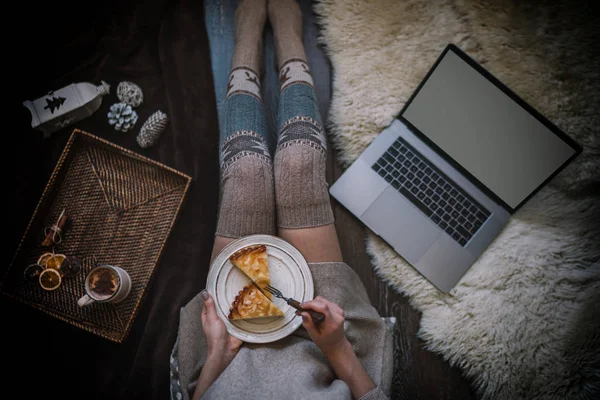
(301, 191)
(247, 203)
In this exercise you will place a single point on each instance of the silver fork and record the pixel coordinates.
(316, 316)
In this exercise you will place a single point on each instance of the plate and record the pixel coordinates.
(289, 273)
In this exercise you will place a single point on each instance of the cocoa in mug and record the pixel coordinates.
(106, 284)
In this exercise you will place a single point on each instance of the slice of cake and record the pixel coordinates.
(253, 261)
(252, 303)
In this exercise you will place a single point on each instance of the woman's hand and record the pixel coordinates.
(328, 335)
(222, 347)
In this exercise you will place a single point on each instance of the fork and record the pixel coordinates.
(317, 317)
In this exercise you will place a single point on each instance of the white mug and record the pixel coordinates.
(105, 284)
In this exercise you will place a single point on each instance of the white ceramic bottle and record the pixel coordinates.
(65, 106)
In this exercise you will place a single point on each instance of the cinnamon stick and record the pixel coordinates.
(55, 229)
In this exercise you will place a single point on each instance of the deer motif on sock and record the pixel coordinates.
(230, 83)
(253, 79)
(283, 76)
(243, 81)
(294, 71)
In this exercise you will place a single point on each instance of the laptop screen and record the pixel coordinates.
(484, 130)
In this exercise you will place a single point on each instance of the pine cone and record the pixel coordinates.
(152, 129)
(130, 93)
(122, 116)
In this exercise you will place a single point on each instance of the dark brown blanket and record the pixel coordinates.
(161, 46)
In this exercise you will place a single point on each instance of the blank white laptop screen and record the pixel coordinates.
(485, 131)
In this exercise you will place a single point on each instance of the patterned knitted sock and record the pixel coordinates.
(301, 191)
(247, 203)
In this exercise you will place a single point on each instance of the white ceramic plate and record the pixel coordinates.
(289, 273)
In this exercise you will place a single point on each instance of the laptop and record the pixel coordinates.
(443, 179)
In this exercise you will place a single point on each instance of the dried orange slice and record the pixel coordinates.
(70, 266)
(50, 279)
(32, 273)
(55, 261)
(44, 259)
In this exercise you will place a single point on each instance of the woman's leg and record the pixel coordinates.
(247, 203)
(304, 214)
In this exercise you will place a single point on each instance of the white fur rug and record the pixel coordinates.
(525, 320)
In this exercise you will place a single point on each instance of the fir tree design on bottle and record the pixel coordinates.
(54, 103)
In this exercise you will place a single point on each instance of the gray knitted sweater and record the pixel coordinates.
(293, 367)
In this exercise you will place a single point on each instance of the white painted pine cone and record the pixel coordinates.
(152, 129)
(122, 117)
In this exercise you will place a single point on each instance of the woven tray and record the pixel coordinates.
(121, 208)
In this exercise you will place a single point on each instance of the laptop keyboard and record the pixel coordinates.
(436, 195)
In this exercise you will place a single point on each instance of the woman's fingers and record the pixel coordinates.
(316, 304)
(333, 313)
(209, 305)
(336, 309)
(324, 306)
(203, 315)
(308, 323)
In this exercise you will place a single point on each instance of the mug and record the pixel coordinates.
(105, 284)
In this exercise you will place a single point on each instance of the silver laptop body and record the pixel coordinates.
(441, 182)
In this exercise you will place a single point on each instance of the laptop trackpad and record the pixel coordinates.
(401, 224)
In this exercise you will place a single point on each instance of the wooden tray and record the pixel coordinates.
(121, 208)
